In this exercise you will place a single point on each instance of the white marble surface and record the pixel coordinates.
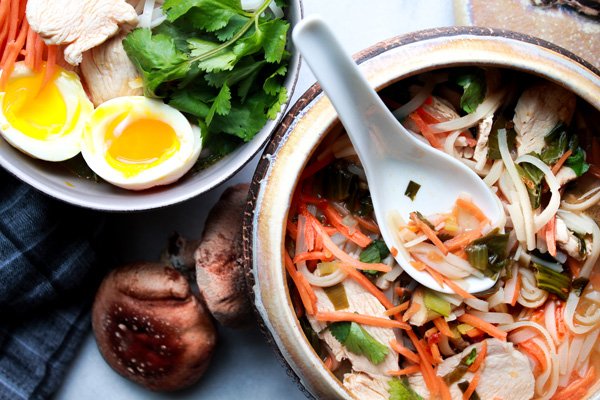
(243, 365)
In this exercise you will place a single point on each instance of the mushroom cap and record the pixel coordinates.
(150, 327)
(219, 271)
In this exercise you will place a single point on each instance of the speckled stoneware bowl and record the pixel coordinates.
(313, 117)
(57, 181)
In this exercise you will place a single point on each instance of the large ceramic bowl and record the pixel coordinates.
(57, 181)
(313, 117)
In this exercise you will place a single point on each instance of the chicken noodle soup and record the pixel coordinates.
(535, 333)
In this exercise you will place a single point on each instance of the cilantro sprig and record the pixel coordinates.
(220, 65)
(358, 341)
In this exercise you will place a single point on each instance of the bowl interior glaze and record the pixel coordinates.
(313, 117)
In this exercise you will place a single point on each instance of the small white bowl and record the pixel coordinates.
(57, 181)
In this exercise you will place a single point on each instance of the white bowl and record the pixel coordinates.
(57, 181)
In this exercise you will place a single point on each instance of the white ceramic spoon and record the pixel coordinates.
(390, 155)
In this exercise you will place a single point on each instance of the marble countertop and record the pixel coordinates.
(243, 364)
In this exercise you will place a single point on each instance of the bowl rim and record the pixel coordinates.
(250, 232)
(151, 199)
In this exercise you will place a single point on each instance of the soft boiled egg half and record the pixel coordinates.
(135, 142)
(44, 116)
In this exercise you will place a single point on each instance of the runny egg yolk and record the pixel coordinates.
(136, 145)
(37, 110)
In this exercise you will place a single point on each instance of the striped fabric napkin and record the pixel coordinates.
(49, 271)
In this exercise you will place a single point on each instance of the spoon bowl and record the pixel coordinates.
(391, 156)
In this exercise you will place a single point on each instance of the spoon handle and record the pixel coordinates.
(364, 115)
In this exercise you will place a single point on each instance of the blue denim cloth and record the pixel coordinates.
(49, 270)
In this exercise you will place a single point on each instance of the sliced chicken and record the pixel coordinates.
(362, 302)
(568, 242)
(483, 134)
(80, 25)
(565, 175)
(506, 374)
(366, 387)
(109, 72)
(539, 109)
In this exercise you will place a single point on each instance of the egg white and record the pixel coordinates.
(95, 147)
(60, 146)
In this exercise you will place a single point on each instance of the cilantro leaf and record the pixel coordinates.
(374, 252)
(473, 84)
(156, 57)
(358, 341)
(207, 14)
(190, 102)
(275, 33)
(223, 60)
(401, 390)
(221, 104)
(577, 162)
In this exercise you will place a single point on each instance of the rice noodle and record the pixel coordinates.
(494, 174)
(545, 216)
(530, 295)
(450, 142)
(415, 241)
(478, 304)
(489, 106)
(547, 382)
(510, 285)
(444, 346)
(550, 320)
(493, 317)
(416, 102)
(522, 335)
(576, 222)
(497, 298)
(584, 205)
(453, 299)
(522, 198)
(146, 18)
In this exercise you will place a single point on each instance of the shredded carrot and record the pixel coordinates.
(534, 350)
(435, 353)
(418, 265)
(551, 236)
(11, 55)
(368, 224)
(561, 327)
(397, 309)
(400, 291)
(474, 333)
(30, 48)
(472, 386)
(343, 256)
(353, 234)
(313, 255)
(577, 388)
(561, 161)
(444, 388)
(409, 355)
(457, 289)
(483, 325)
(13, 20)
(480, 358)
(367, 284)
(442, 325)
(462, 240)
(425, 130)
(50, 64)
(472, 208)
(40, 46)
(328, 362)
(412, 310)
(515, 297)
(394, 251)
(337, 316)
(413, 369)
(292, 229)
(430, 233)
(306, 298)
(317, 165)
(430, 332)
(433, 384)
